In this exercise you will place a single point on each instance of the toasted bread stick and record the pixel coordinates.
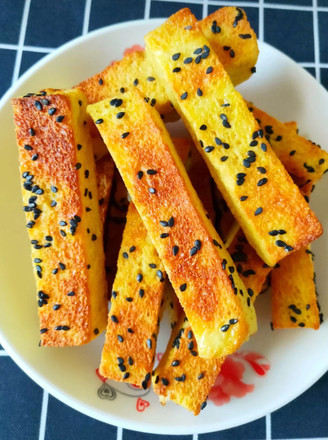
(230, 140)
(61, 204)
(187, 243)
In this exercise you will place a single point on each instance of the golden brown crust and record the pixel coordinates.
(181, 375)
(104, 176)
(135, 69)
(164, 193)
(233, 40)
(301, 157)
(294, 301)
(55, 153)
(230, 140)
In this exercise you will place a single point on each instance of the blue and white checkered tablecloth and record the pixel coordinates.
(30, 29)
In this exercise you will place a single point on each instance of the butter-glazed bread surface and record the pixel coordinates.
(60, 199)
(254, 183)
(199, 267)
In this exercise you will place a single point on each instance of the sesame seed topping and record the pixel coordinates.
(209, 70)
(263, 147)
(100, 82)
(151, 172)
(164, 235)
(28, 147)
(141, 293)
(176, 69)
(126, 375)
(31, 131)
(183, 287)
(258, 211)
(150, 78)
(35, 157)
(175, 250)
(224, 158)
(124, 135)
(175, 363)
(135, 82)
(176, 56)
(99, 121)
(188, 60)
(149, 344)
(140, 174)
(184, 95)
(208, 149)
(262, 182)
(60, 118)
(139, 277)
(262, 170)
(181, 378)
(164, 381)
(120, 338)
(203, 127)
(199, 92)
(120, 115)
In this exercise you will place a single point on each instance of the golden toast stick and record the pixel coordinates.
(61, 204)
(256, 186)
(294, 301)
(181, 375)
(136, 70)
(134, 308)
(234, 41)
(186, 241)
(301, 157)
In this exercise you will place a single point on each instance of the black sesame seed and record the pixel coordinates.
(140, 174)
(62, 266)
(193, 251)
(78, 166)
(35, 157)
(125, 255)
(224, 158)
(56, 306)
(176, 69)
(263, 147)
(120, 115)
(262, 182)
(28, 147)
(60, 118)
(120, 338)
(93, 237)
(280, 243)
(175, 363)
(164, 381)
(164, 235)
(208, 149)
(176, 56)
(203, 127)
(132, 249)
(151, 172)
(126, 375)
(258, 211)
(199, 92)
(183, 287)
(139, 277)
(184, 95)
(209, 70)
(293, 319)
(129, 299)
(175, 250)
(99, 121)
(181, 378)
(114, 319)
(246, 163)
(233, 321)
(187, 60)
(232, 53)
(141, 293)
(149, 343)
(124, 135)
(31, 131)
(152, 265)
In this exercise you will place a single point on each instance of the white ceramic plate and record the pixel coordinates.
(297, 358)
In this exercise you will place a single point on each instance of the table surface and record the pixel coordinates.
(30, 29)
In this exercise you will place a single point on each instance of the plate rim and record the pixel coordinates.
(73, 402)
